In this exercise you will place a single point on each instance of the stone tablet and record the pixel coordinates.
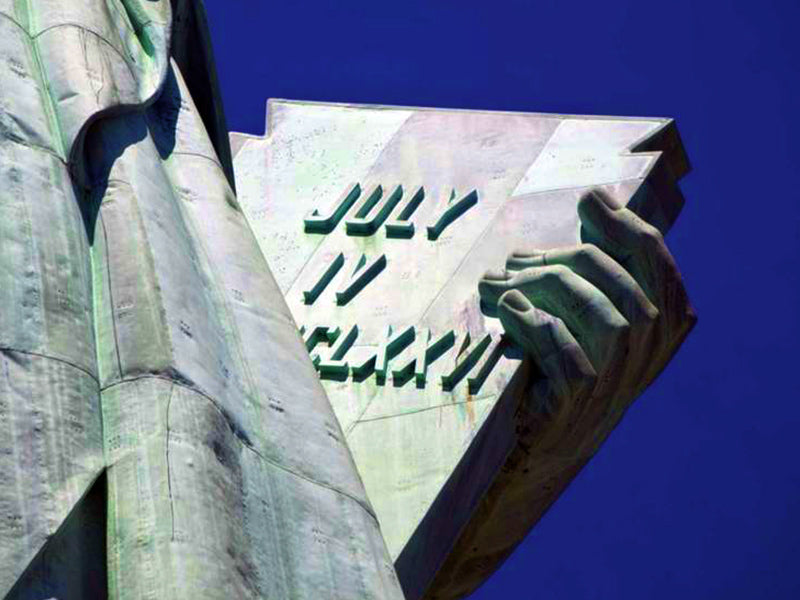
(378, 223)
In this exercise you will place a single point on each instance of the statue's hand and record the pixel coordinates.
(599, 321)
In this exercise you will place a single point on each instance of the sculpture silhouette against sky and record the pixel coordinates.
(164, 430)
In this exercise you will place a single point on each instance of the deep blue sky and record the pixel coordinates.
(697, 492)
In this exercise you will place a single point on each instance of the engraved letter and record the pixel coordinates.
(402, 226)
(363, 224)
(486, 364)
(392, 345)
(362, 275)
(452, 212)
(323, 278)
(317, 223)
(467, 358)
(335, 367)
(315, 334)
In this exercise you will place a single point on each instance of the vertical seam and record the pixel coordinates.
(110, 295)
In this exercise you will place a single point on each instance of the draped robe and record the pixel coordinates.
(162, 430)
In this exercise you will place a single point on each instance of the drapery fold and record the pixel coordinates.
(143, 339)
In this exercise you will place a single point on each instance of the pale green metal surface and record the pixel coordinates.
(143, 338)
(149, 365)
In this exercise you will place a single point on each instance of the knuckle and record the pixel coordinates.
(650, 237)
(500, 275)
(550, 324)
(556, 275)
(579, 370)
(594, 261)
(588, 253)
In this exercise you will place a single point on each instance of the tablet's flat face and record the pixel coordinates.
(378, 223)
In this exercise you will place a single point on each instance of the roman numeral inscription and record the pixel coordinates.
(427, 349)
(364, 272)
(402, 354)
(315, 334)
(485, 363)
(323, 277)
(394, 343)
(405, 354)
(336, 367)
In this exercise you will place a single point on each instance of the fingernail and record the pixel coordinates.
(527, 253)
(605, 198)
(516, 301)
(593, 210)
(496, 275)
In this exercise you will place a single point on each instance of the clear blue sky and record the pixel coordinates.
(697, 493)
